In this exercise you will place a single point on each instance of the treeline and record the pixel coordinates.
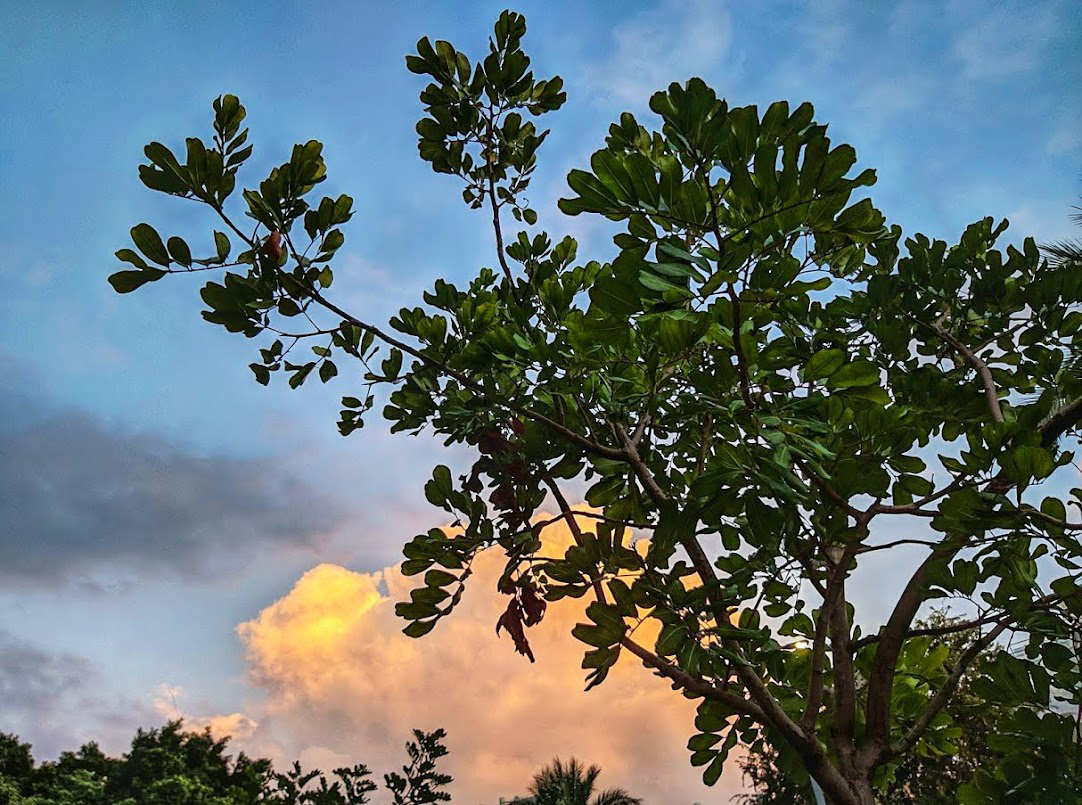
(172, 766)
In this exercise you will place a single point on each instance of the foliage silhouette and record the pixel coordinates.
(574, 784)
(172, 766)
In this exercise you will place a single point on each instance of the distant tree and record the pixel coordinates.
(16, 763)
(764, 375)
(572, 783)
(420, 782)
(171, 766)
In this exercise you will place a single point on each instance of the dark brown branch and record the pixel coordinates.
(699, 686)
(894, 544)
(1060, 422)
(819, 648)
(832, 495)
(891, 639)
(843, 724)
(935, 631)
(631, 454)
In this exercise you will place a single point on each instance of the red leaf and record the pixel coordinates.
(511, 620)
(533, 606)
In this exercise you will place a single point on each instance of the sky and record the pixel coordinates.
(177, 540)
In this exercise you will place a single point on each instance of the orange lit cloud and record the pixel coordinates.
(344, 685)
(238, 726)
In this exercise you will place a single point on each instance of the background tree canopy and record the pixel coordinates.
(169, 766)
(764, 375)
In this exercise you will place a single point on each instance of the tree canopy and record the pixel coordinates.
(173, 766)
(934, 778)
(572, 783)
(765, 375)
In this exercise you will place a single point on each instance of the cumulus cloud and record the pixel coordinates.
(343, 683)
(79, 498)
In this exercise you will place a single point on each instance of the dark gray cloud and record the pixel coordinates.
(81, 501)
(54, 701)
(32, 680)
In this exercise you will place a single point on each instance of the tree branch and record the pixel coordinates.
(1060, 422)
(843, 724)
(699, 686)
(943, 695)
(580, 440)
(819, 645)
(694, 684)
(991, 393)
(891, 638)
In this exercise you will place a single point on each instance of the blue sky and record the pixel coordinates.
(966, 109)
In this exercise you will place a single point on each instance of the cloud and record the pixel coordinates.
(342, 682)
(1005, 42)
(55, 701)
(671, 42)
(237, 726)
(78, 498)
(33, 680)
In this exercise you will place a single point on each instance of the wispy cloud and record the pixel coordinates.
(671, 42)
(1001, 42)
(53, 700)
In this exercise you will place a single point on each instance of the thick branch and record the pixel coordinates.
(819, 650)
(891, 638)
(1060, 422)
(631, 454)
(843, 724)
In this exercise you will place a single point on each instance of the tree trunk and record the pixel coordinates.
(839, 790)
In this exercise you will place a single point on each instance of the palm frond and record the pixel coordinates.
(1063, 252)
(616, 796)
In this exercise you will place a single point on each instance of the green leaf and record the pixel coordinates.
(439, 578)
(221, 243)
(180, 252)
(419, 629)
(149, 242)
(713, 771)
(657, 283)
(857, 373)
(128, 281)
(261, 372)
(613, 295)
(129, 256)
(823, 364)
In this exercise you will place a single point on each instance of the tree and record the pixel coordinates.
(171, 766)
(931, 779)
(754, 385)
(573, 784)
(420, 782)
